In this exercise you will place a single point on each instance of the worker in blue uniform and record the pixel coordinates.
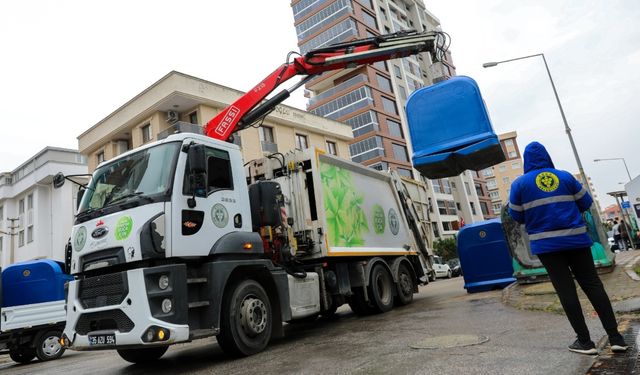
(549, 202)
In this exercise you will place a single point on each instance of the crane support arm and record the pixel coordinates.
(252, 105)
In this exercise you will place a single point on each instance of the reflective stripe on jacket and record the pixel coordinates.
(549, 202)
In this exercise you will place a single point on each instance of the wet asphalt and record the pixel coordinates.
(519, 342)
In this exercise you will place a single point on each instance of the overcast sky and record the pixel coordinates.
(66, 65)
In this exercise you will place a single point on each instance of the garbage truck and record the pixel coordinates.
(33, 310)
(180, 240)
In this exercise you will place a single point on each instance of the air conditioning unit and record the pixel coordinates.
(173, 117)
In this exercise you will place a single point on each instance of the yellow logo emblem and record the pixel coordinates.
(547, 181)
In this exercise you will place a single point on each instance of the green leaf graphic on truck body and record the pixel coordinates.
(346, 219)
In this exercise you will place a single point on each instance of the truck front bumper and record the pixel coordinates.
(125, 307)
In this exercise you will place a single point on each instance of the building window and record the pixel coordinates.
(400, 152)
(30, 233)
(502, 168)
(494, 194)
(193, 117)
(346, 104)
(403, 92)
(146, 133)
(363, 123)
(100, 157)
(447, 207)
(384, 83)
(366, 149)
(1, 246)
(381, 65)
(21, 206)
(331, 148)
(395, 129)
(446, 186)
(21, 238)
(508, 142)
(479, 190)
(397, 71)
(484, 208)
(497, 207)
(405, 172)
(30, 202)
(515, 165)
(505, 180)
(467, 188)
(369, 20)
(389, 105)
(1, 214)
(301, 142)
(487, 172)
(267, 140)
(473, 208)
(384, 14)
(491, 184)
(513, 154)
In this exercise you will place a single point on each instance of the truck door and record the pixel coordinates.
(217, 210)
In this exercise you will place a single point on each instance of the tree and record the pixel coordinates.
(446, 248)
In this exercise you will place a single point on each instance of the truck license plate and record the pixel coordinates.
(105, 339)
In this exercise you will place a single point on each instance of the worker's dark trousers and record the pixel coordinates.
(560, 265)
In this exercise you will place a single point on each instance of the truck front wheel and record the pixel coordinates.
(246, 320)
(48, 346)
(22, 355)
(142, 355)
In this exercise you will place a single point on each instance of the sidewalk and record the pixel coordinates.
(623, 290)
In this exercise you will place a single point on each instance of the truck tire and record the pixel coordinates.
(22, 355)
(359, 304)
(48, 346)
(381, 289)
(404, 286)
(246, 319)
(142, 355)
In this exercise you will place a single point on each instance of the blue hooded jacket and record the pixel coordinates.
(549, 202)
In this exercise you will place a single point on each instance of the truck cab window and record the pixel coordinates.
(219, 174)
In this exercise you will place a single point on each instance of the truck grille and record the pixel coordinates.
(104, 290)
(113, 320)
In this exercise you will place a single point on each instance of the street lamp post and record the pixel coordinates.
(564, 118)
(594, 213)
(624, 161)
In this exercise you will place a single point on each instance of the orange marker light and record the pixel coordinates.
(247, 246)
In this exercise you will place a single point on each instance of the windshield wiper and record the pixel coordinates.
(127, 196)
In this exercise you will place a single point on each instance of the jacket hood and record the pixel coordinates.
(536, 157)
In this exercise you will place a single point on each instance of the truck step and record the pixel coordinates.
(197, 280)
(202, 333)
(193, 305)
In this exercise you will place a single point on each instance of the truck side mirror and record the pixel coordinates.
(197, 159)
(58, 180)
(79, 196)
(197, 172)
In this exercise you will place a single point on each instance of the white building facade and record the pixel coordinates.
(35, 218)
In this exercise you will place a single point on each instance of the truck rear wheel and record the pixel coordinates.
(22, 355)
(405, 285)
(381, 289)
(246, 320)
(48, 346)
(358, 303)
(142, 355)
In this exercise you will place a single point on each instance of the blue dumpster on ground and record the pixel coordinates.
(32, 282)
(450, 129)
(484, 256)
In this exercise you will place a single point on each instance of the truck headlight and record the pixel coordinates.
(163, 282)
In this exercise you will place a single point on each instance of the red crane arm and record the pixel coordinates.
(250, 107)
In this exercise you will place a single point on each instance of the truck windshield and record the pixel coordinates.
(139, 176)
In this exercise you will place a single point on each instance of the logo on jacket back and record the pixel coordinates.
(547, 181)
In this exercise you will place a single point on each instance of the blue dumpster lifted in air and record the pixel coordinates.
(450, 129)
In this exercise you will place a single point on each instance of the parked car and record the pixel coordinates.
(454, 264)
(442, 269)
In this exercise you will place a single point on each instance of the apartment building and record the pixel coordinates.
(500, 176)
(35, 218)
(371, 99)
(181, 98)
